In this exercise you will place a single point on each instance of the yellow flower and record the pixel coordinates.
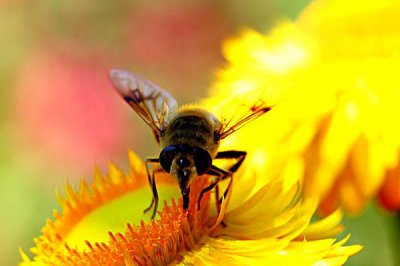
(101, 224)
(333, 77)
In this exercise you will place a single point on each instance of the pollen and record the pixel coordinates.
(67, 239)
(159, 242)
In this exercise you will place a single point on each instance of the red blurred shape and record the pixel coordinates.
(389, 194)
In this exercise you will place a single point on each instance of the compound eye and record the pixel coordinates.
(167, 155)
(202, 160)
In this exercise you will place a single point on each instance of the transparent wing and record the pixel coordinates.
(240, 116)
(153, 104)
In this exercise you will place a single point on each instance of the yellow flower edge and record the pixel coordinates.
(332, 78)
(99, 225)
(361, 37)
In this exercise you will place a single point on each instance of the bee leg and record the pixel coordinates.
(155, 197)
(227, 195)
(218, 203)
(228, 190)
(208, 188)
(238, 155)
(152, 182)
(220, 174)
(151, 205)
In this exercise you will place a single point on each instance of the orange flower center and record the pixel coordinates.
(156, 243)
(160, 241)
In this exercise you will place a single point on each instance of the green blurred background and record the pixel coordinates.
(60, 117)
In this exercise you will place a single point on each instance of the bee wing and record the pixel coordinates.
(241, 116)
(153, 104)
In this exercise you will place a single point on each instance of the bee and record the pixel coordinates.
(189, 136)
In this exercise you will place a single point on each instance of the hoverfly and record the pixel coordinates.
(188, 136)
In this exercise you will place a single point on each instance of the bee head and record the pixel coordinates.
(185, 163)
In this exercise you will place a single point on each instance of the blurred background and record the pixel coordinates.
(60, 117)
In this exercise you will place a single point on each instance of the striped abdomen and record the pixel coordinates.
(190, 130)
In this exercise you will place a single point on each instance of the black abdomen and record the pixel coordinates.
(189, 130)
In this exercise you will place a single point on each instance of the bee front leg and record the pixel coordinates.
(208, 188)
(236, 155)
(220, 174)
(227, 196)
(227, 193)
(239, 156)
(152, 182)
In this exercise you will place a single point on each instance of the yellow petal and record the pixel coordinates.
(217, 251)
(327, 227)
